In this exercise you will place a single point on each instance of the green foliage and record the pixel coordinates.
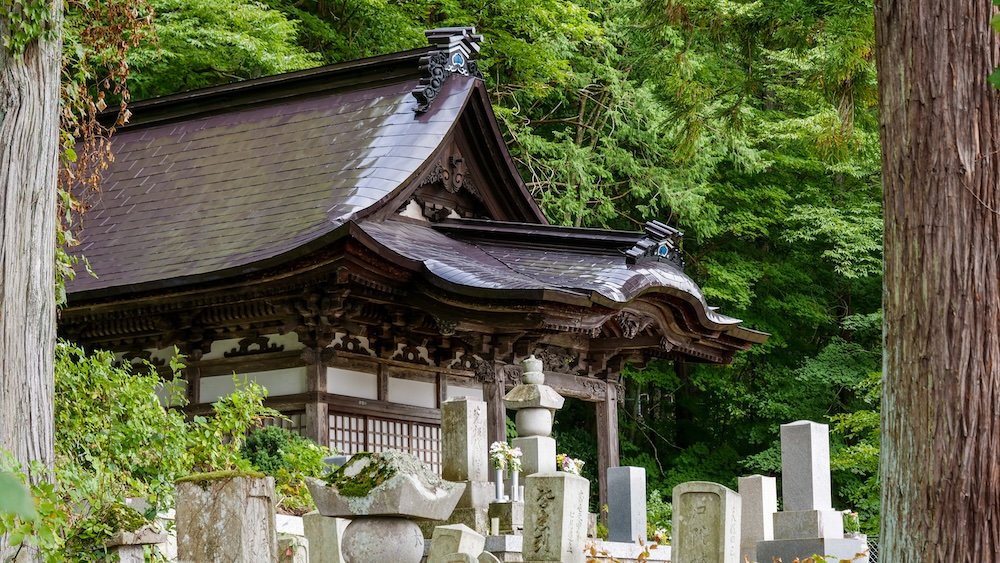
(214, 443)
(24, 21)
(109, 421)
(289, 458)
(15, 498)
(205, 42)
(659, 514)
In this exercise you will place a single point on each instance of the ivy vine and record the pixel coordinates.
(26, 21)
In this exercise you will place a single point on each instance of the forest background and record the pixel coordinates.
(751, 125)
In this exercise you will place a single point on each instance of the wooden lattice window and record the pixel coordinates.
(363, 433)
(294, 424)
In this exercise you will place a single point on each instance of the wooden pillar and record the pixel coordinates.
(317, 417)
(496, 414)
(607, 443)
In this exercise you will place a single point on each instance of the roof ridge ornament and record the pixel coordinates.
(660, 244)
(458, 49)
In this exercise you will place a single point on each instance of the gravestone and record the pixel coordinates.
(808, 524)
(759, 499)
(535, 404)
(292, 549)
(805, 484)
(555, 518)
(464, 447)
(706, 523)
(626, 504)
(465, 453)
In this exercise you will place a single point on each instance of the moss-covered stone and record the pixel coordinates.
(362, 473)
(203, 479)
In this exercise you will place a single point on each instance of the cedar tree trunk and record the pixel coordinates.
(29, 145)
(940, 465)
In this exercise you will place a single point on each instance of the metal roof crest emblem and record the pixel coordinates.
(661, 244)
(459, 47)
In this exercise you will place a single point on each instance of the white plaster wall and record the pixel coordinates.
(455, 391)
(278, 382)
(351, 383)
(409, 392)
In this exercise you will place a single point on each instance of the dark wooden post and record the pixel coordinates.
(317, 418)
(607, 444)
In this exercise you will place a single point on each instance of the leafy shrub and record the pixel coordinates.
(659, 514)
(289, 458)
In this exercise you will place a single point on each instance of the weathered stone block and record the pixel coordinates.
(759, 500)
(456, 538)
(324, 534)
(510, 515)
(292, 549)
(538, 454)
(464, 442)
(555, 518)
(229, 519)
(706, 523)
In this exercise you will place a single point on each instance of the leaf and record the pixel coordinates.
(15, 497)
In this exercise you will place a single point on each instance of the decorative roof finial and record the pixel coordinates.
(661, 244)
(459, 46)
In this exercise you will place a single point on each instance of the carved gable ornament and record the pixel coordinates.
(459, 47)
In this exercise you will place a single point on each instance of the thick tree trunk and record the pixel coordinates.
(941, 408)
(29, 145)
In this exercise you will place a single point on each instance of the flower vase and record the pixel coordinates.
(515, 494)
(499, 485)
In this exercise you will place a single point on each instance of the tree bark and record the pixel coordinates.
(940, 465)
(29, 148)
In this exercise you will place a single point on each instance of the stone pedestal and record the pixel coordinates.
(380, 539)
(759, 500)
(324, 534)
(789, 550)
(229, 519)
(808, 524)
(555, 517)
(538, 454)
(510, 514)
(706, 523)
(626, 504)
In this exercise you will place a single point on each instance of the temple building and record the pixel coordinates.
(357, 239)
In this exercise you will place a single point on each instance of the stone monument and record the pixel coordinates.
(324, 534)
(382, 493)
(464, 453)
(555, 518)
(626, 504)
(535, 404)
(759, 498)
(229, 518)
(706, 523)
(808, 525)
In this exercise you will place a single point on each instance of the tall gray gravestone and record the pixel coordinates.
(706, 524)
(464, 457)
(759, 499)
(808, 524)
(626, 504)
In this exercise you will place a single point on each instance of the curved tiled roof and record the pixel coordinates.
(225, 190)
(569, 272)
